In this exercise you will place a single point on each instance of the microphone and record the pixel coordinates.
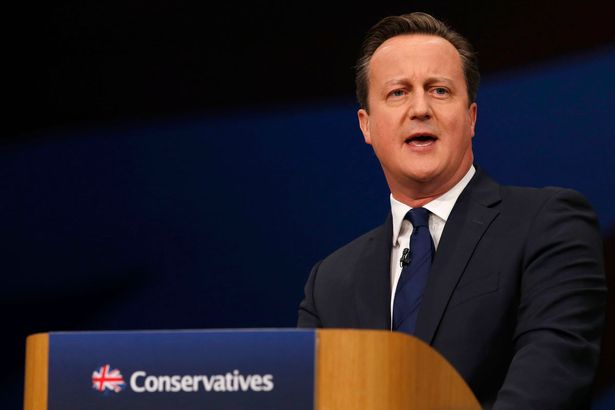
(405, 258)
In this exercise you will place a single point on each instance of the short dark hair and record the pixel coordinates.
(414, 23)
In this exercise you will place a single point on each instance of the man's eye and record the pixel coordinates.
(440, 91)
(397, 93)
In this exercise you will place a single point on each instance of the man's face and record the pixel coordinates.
(420, 124)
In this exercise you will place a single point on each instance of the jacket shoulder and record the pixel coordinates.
(539, 198)
(357, 245)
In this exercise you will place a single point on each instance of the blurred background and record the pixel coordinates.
(167, 164)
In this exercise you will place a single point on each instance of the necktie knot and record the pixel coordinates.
(418, 217)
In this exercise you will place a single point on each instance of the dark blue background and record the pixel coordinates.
(214, 221)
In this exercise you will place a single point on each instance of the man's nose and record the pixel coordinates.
(419, 108)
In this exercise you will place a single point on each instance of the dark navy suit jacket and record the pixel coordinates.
(515, 298)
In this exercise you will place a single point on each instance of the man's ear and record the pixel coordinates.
(363, 117)
(472, 112)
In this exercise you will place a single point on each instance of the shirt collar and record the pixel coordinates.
(441, 207)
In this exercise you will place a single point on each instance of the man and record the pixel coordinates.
(505, 282)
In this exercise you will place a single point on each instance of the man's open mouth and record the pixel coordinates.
(421, 140)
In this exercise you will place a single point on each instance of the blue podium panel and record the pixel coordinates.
(182, 370)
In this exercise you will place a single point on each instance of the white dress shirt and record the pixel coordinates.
(440, 209)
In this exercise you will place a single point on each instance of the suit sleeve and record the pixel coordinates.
(561, 309)
(308, 316)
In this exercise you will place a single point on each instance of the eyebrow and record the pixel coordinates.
(430, 80)
(445, 80)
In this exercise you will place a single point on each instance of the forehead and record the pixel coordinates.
(414, 54)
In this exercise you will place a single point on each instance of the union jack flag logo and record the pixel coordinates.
(106, 378)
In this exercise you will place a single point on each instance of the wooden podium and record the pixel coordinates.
(353, 369)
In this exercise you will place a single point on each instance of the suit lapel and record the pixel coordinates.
(470, 218)
(372, 285)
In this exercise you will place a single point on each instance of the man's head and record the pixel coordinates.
(414, 23)
(418, 112)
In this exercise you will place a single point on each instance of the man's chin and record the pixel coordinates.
(423, 175)
(417, 178)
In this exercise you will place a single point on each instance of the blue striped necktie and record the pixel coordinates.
(411, 284)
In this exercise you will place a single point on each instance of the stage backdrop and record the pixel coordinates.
(215, 222)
